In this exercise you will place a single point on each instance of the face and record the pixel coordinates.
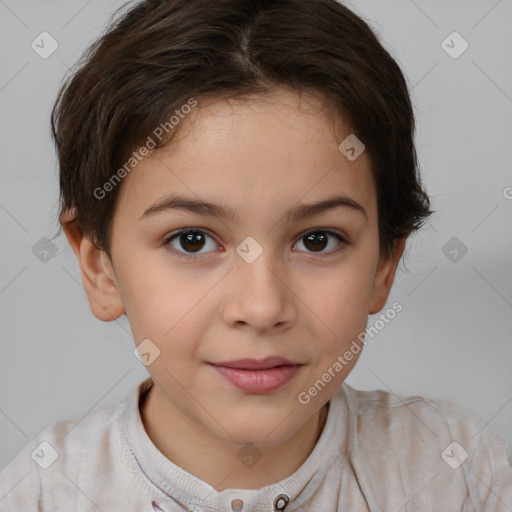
(263, 274)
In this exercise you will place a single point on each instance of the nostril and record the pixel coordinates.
(156, 508)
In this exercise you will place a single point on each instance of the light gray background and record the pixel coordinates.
(453, 338)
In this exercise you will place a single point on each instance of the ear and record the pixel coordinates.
(97, 272)
(384, 277)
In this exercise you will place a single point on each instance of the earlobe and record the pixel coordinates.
(384, 278)
(97, 274)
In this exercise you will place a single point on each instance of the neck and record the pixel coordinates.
(196, 450)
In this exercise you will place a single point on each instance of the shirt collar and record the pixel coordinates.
(182, 488)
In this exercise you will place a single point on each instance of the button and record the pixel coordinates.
(280, 502)
(237, 505)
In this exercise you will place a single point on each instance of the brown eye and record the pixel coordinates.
(318, 241)
(189, 242)
(192, 242)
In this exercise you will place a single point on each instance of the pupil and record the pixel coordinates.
(195, 241)
(192, 239)
(318, 240)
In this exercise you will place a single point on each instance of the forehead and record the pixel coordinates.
(254, 155)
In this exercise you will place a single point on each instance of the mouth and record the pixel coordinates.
(257, 364)
(258, 376)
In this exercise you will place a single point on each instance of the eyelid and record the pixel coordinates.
(342, 238)
(190, 256)
(206, 231)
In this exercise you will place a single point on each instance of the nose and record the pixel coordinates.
(259, 295)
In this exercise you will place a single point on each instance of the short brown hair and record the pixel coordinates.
(158, 54)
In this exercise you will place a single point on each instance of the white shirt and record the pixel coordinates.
(377, 452)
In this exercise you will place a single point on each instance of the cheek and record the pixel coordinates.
(163, 303)
(340, 295)
(170, 303)
(338, 305)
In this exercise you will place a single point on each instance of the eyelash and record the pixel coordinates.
(193, 257)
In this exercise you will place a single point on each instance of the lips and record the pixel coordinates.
(261, 381)
(257, 364)
(258, 376)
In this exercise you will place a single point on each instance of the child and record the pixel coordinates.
(279, 133)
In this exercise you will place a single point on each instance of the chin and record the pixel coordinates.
(257, 432)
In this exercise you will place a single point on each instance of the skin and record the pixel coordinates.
(260, 157)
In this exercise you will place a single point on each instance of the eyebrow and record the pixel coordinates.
(301, 211)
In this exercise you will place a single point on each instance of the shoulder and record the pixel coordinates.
(393, 412)
(419, 420)
(58, 455)
(430, 440)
